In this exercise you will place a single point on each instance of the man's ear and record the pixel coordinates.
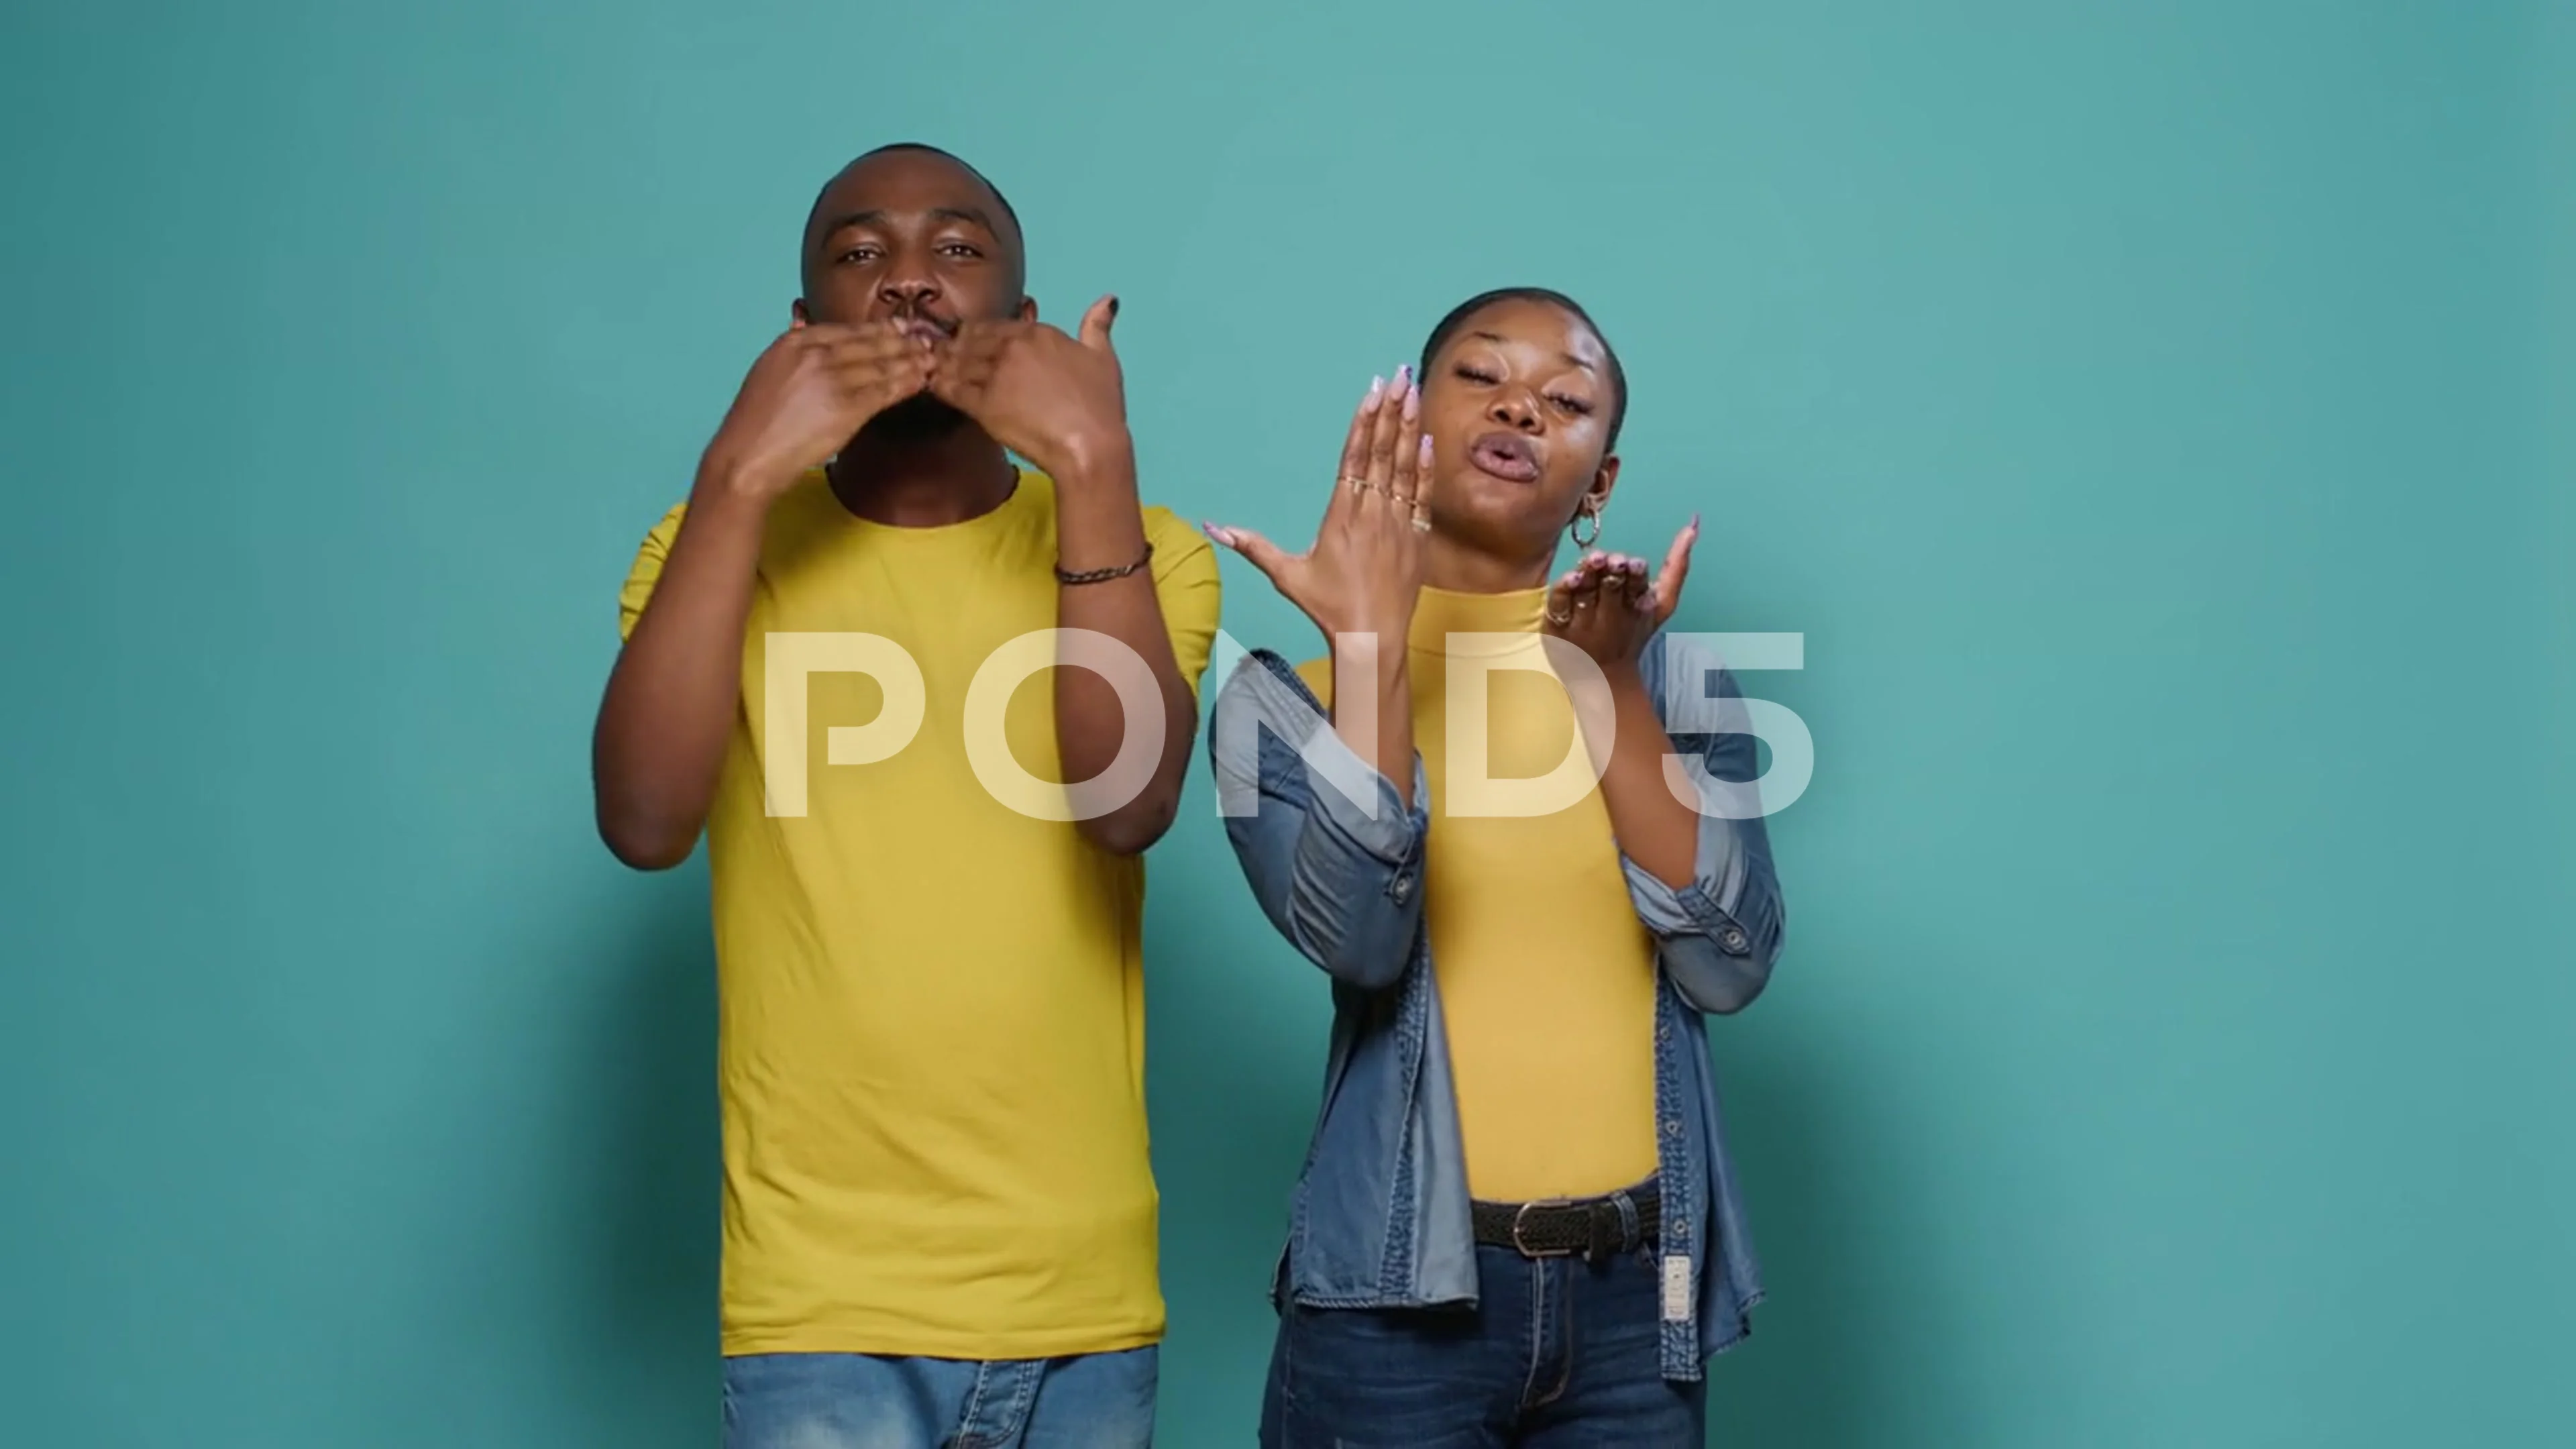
(1027, 310)
(797, 316)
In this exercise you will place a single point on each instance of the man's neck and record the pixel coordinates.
(923, 482)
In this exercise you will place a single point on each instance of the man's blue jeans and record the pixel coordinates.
(1558, 1354)
(854, 1401)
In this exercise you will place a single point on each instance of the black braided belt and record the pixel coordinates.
(1564, 1227)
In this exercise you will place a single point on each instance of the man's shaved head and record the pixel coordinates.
(845, 193)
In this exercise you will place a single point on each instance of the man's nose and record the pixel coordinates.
(907, 294)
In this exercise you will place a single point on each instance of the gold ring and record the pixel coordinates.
(1421, 520)
(1358, 485)
(1559, 620)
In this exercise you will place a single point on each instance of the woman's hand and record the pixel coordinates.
(1363, 576)
(1607, 607)
(1364, 572)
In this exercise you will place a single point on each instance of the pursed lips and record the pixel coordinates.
(1508, 456)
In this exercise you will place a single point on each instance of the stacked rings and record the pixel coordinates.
(1421, 515)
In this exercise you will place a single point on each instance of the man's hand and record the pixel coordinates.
(1056, 401)
(808, 394)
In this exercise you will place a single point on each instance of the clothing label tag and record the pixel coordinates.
(1677, 1289)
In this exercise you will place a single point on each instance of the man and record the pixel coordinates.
(939, 1217)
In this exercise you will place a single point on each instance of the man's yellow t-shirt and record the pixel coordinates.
(931, 1043)
(1546, 975)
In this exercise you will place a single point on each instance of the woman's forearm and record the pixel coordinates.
(1654, 827)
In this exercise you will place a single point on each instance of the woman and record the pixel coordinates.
(1517, 1223)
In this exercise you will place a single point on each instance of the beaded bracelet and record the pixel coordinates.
(1097, 576)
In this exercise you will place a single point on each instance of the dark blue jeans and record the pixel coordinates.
(1558, 1354)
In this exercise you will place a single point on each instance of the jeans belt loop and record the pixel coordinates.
(1600, 1234)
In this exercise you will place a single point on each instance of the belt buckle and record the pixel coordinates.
(1520, 1246)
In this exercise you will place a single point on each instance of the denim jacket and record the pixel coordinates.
(1380, 1217)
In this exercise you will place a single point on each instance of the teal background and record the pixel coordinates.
(2157, 421)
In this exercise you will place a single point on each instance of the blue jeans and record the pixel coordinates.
(856, 1401)
(1558, 1354)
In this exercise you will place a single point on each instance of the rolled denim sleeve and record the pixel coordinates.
(1719, 934)
(1342, 881)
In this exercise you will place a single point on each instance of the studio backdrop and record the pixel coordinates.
(2153, 421)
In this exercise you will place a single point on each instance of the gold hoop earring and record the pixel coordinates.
(1574, 530)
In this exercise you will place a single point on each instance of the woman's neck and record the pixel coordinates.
(1463, 568)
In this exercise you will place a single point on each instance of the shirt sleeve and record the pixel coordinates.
(1330, 850)
(647, 571)
(1186, 585)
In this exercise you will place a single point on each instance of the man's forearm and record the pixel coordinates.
(671, 700)
(1099, 525)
